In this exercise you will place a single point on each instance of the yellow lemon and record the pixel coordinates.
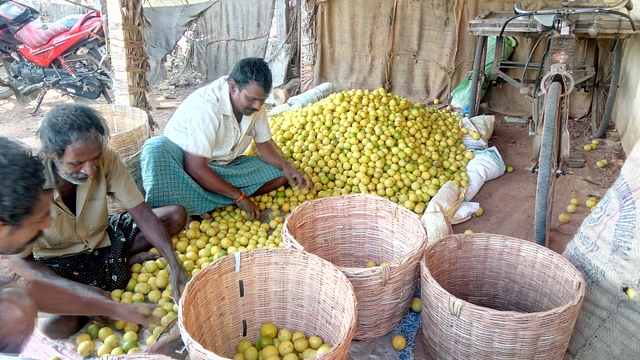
(300, 344)
(269, 330)
(112, 340)
(284, 335)
(104, 349)
(564, 218)
(86, 348)
(244, 344)
(315, 342)
(285, 347)
(251, 353)
(82, 338)
(268, 351)
(104, 332)
(399, 342)
(416, 304)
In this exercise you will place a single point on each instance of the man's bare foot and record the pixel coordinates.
(169, 345)
(61, 326)
(141, 257)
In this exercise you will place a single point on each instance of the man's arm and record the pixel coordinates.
(268, 154)
(196, 166)
(156, 234)
(56, 295)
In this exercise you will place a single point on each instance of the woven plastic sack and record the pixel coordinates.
(606, 249)
(486, 165)
(460, 95)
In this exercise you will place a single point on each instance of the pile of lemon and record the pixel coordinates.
(361, 141)
(281, 345)
(226, 233)
(107, 342)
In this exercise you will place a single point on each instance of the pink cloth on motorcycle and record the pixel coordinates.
(36, 34)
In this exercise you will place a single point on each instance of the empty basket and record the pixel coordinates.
(351, 230)
(230, 299)
(492, 296)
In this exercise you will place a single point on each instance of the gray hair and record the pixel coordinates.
(65, 124)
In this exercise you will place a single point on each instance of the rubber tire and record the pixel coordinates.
(547, 165)
(5, 92)
(477, 77)
(600, 119)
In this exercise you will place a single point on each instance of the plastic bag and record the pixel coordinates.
(460, 95)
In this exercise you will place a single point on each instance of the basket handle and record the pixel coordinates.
(461, 239)
(386, 273)
(455, 306)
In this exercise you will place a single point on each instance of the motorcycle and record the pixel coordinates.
(68, 55)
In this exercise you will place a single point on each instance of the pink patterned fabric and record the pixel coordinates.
(40, 347)
(36, 34)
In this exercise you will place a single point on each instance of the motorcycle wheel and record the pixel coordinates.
(5, 92)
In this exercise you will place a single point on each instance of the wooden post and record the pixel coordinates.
(129, 60)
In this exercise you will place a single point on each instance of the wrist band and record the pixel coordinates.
(242, 197)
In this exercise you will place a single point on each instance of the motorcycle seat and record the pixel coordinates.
(36, 33)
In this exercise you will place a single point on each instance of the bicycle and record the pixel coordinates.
(596, 33)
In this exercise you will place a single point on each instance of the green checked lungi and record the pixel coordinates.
(166, 182)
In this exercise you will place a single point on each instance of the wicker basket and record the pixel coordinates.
(351, 230)
(129, 127)
(492, 296)
(230, 299)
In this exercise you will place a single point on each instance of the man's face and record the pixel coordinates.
(79, 161)
(15, 239)
(248, 100)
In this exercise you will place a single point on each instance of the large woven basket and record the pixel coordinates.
(229, 300)
(492, 296)
(351, 230)
(129, 127)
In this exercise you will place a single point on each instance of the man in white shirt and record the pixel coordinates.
(198, 163)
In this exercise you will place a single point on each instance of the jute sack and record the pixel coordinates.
(606, 250)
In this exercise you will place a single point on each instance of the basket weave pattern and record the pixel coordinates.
(350, 230)
(129, 127)
(492, 296)
(287, 287)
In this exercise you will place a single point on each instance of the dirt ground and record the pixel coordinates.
(508, 201)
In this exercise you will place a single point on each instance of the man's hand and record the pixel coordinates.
(294, 176)
(179, 279)
(250, 208)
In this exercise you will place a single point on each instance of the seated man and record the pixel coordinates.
(84, 245)
(198, 163)
(24, 213)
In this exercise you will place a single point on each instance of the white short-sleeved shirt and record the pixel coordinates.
(204, 125)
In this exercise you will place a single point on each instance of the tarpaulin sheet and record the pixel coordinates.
(231, 30)
(416, 49)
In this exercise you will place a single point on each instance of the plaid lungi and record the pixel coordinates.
(166, 183)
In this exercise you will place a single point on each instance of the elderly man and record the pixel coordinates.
(198, 163)
(24, 213)
(84, 245)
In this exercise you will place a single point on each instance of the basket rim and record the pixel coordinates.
(352, 271)
(577, 298)
(190, 341)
